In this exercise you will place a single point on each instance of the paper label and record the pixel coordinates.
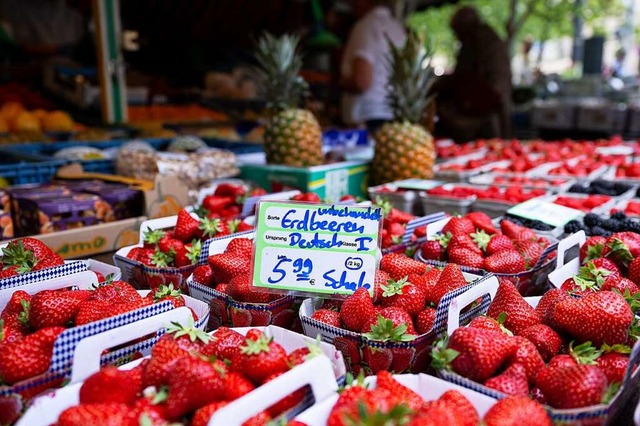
(418, 184)
(545, 211)
(316, 248)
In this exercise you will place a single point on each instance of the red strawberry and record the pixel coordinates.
(399, 266)
(622, 248)
(432, 250)
(528, 356)
(459, 226)
(634, 270)
(225, 343)
(111, 385)
(465, 257)
(547, 303)
(481, 353)
(602, 317)
(151, 237)
(241, 289)
(18, 302)
(242, 246)
(286, 403)
(186, 228)
(614, 364)
(9, 271)
(11, 329)
(458, 402)
(520, 314)
(203, 275)
(381, 278)
(463, 241)
(215, 203)
(356, 310)
(98, 415)
(259, 358)
(499, 242)
(193, 383)
(545, 339)
(165, 292)
(621, 286)
(237, 225)
(512, 381)
(46, 258)
(236, 385)
(402, 393)
(450, 279)
(592, 248)
(486, 323)
(531, 251)
(425, 320)
(95, 310)
(51, 308)
(517, 232)
(328, 317)
(572, 386)
(226, 189)
(225, 266)
(213, 227)
(116, 292)
(399, 323)
(167, 243)
(562, 360)
(403, 294)
(481, 221)
(505, 262)
(518, 410)
(148, 413)
(28, 357)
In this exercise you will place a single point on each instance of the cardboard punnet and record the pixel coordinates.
(143, 276)
(410, 356)
(595, 415)
(230, 313)
(428, 387)
(528, 282)
(320, 373)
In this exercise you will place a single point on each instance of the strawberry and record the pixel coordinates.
(9, 271)
(528, 356)
(425, 320)
(592, 248)
(242, 246)
(547, 303)
(11, 329)
(167, 292)
(203, 275)
(327, 316)
(562, 360)
(545, 339)
(95, 310)
(193, 383)
(236, 386)
(259, 358)
(241, 289)
(465, 257)
(167, 243)
(186, 228)
(517, 232)
(622, 248)
(402, 393)
(602, 317)
(434, 414)
(213, 228)
(144, 256)
(237, 225)
(474, 353)
(512, 381)
(189, 255)
(399, 266)
(531, 251)
(572, 386)
(51, 308)
(634, 270)
(357, 309)
(517, 410)
(382, 278)
(463, 241)
(110, 385)
(224, 344)
(482, 222)
(454, 400)
(98, 415)
(29, 356)
(520, 314)
(505, 262)
(450, 279)
(225, 266)
(499, 242)
(614, 362)
(459, 226)
(18, 259)
(18, 302)
(371, 404)
(226, 189)
(148, 413)
(621, 286)
(46, 258)
(151, 237)
(389, 324)
(403, 294)
(286, 403)
(116, 292)
(486, 323)
(202, 416)
(432, 250)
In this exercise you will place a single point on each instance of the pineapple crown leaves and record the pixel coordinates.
(210, 227)
(399, 414)
(15, 254)
(481, 238)
(385, 331)
(193, 252)
(441, 356)
(255, 347)
(166, 291)
(584, 353)
(160, 259)
(409, 78)
(153, 236)
(394, 287)
(279, 64)
(617, 348)
(620, 250)
(189, 330)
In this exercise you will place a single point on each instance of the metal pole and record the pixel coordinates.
(578, 41)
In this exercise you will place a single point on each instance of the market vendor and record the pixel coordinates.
(364, 71)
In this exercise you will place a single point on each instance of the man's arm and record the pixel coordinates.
(361, 77)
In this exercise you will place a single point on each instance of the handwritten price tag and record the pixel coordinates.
(316, 248)
(545, 211)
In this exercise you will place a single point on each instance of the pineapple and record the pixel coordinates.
(404, 149)
(292, 136)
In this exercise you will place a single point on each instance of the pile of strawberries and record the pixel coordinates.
(182, 246)
(580, 168)
(628, 170)
(30, 324)
(390, 402)
(530, 182)
(25, 255)
(513, 194)
(631, 209)
(189, 376)
(585, 204)
(567, 352)
(474, 242)
(520, 165)
(227, 200)
(466, 166)
(394, 225)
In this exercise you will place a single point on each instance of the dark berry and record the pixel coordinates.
(619, 215)
(612, 225)
(592, 219)
(573, 226)
(599, 231)
(580, 189)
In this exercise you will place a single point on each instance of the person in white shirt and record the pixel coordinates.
(365, 67)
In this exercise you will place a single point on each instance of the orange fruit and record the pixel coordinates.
(40, 114)
(11, 110)
(4, 127)
(57, 121)
(26, 122)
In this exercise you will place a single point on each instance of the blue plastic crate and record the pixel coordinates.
(24, 172)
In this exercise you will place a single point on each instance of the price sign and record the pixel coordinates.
(316, 248)
(545, 211)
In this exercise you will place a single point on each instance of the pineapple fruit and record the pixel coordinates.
(404, 149)
(292, 136)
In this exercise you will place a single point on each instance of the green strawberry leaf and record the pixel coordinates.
(441, 356)
(584, 353)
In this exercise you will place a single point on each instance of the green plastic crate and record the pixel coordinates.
(330, 181)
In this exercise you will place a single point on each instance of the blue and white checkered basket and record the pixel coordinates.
(45, 274)
(407, 238)
(357, 349)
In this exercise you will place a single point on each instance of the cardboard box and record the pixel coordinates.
(330, 181)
